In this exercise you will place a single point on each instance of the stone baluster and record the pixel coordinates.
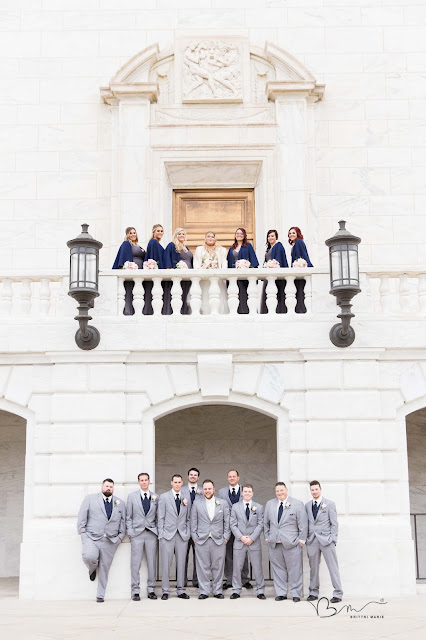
(233, 295)
(121, 294)
(385, 294)
(253, 295)
(138, 297)
(404, 294)
(271, 294)
(290, 291)
(157, 295)
(176, 301)
(195, 295)
(44, 296)
(6, 297)
(214, 295)
(25, 300)
(308, 294)
(421, 291)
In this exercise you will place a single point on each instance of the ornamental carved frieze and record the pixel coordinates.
(211, 71)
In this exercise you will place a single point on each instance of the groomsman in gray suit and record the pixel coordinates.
(173, 533)
(101, 524)
(322, 539)
(246, 526)
(210, 532)
(285, 530)
(142, 530)
(192, 492)
(232, 493)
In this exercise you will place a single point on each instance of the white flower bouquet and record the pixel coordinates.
(242, 264)
(130, 265)
(209, 263)
(150, 264)
(272, 264)
(181, 265)
(300, 263)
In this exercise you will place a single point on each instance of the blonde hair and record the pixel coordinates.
(155, 227)
(128, 229)
(206, 246)
(178, 245)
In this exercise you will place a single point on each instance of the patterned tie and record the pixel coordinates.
(108, 507)
(146, 503)
(315, 508)
(192, 494)
(177, 503)
(280, 511)
(247, 511)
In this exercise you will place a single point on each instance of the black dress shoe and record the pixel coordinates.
(195, 584)
(152, 596)
(234, 596)
(281, 598)
(261, 596)
(165, 596)
(136, 597)
(334, 600)
(202, 596)
(92, 576)
(311, 598)
(219, 596)
(227, 586)
(248, 585)
(183, 596)
(296, 599)
(99, 600)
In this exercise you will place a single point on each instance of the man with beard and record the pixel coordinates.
(101, 524)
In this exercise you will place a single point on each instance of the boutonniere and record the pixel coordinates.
(253, 509)
(217, 503)
(153, 497)
(184, 501)
(198, 492)
(116, 503)
(323, 505)
(287, 505)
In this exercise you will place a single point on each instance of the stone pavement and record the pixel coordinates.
(244, 619)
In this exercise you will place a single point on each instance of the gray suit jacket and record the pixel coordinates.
(185, 492)
(202, 527)
(92, 518)
(136, 520)
(325, 527)
(241, 527)
(168, 521)
(224, 495)
(292, 527)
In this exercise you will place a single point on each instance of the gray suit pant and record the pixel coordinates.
(228, 563)
(240, 556)
(175, 546)
(314, 550)
(194, 564)
(210, 557)
(287, 568)
(98, 554)
(148, 541)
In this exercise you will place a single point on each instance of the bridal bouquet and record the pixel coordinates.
(150, 264)
(300, 263)
(130, 265)
(209, 262)
(181, 265)
(272, 264)
(242, 264)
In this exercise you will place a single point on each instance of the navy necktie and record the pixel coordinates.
(146, 503)
(108, 507)
(280, 511)
(177, 504)
(315, 508)
(247, 512)
(233, 495)
(192, 494)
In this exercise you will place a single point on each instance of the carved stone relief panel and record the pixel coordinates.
(211, 71)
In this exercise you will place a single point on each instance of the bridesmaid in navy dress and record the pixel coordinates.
(154, 251)
(299, 250)
(175, 252)
(275, 251)
(129, 251)
(242, 250)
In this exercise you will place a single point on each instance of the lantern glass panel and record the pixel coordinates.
(335, 266)
(353, 265)
(73, 268)
(91, 270)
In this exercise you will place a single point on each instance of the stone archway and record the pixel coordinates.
(416, 453)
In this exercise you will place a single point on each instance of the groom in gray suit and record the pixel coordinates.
(142, 530)
(173, 534)
(210, 532)
(285, 529)
(322, 539)
(101, 524)
(246, 526)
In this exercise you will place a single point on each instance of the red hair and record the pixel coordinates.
(234, 246)
(298, 233)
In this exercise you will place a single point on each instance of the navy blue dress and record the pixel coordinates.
(171, 258)
(154, 251)
(299, 250)
(131, 253)
(277, 252)
(245, 253)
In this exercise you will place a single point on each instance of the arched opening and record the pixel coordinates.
(12, 474)
(416, 451)
(215, 438)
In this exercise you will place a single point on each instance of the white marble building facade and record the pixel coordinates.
(318, 106)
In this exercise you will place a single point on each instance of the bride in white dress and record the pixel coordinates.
(211, 255)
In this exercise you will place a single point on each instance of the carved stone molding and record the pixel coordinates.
(288, 88)
(139, 90)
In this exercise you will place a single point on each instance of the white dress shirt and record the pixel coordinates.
(210, 504)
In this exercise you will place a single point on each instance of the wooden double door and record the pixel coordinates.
(218, 210)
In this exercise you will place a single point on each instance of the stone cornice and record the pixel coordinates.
(137, 91)
(289, 89)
